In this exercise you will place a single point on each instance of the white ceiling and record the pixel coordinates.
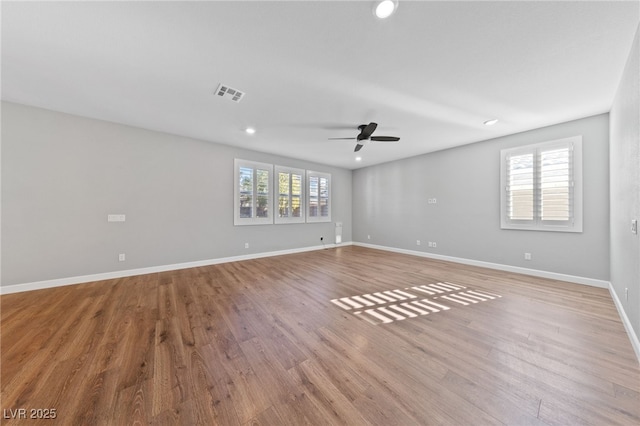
(431, 74)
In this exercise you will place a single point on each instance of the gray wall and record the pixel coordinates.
(391, 205)
(62, 175)
(625, 188)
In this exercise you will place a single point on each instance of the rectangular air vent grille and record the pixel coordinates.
(229, 93)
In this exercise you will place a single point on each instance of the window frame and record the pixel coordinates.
(318, 218)
(253, 220)
(276, 185)
(575, 223)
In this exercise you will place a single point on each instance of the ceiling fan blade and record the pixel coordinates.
(335, 139)
(358, 147)
(367, 131)
(385, 138)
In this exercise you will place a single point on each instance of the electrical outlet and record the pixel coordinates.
(527, 256)
(368, 237)
(246, 245)
(634, 226)
(434, 244)
(121, 257)
(417, 242)
(626, 294)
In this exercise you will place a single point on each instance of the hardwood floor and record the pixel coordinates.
(260, 342)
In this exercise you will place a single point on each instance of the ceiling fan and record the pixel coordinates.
(366, 130)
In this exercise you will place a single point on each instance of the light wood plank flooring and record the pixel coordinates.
(260, 342)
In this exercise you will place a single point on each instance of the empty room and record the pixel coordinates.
(320, 213)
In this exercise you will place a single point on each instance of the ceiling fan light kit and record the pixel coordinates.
(366, 130)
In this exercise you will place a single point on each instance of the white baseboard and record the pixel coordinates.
(163, 268)
(39, 285)
(635, 343)
(508, 268)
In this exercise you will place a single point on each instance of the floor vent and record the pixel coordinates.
(230, 93)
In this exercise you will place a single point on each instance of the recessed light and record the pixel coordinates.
(385, 8)
(250, 130)
(491, 122)
(358, 158)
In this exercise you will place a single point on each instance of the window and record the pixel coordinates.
(319, 197)
(252, 193)
(541, 186)
(257, 189)
(290, 183)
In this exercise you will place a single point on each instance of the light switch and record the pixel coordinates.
(116, 218)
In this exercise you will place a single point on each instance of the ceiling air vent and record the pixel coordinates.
(229, 93)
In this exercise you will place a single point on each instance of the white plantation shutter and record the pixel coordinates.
(290, 185)
(520, 187)
(253, 196)
(555, 175)
(245, 192)
(318, 197)
(541, 186)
